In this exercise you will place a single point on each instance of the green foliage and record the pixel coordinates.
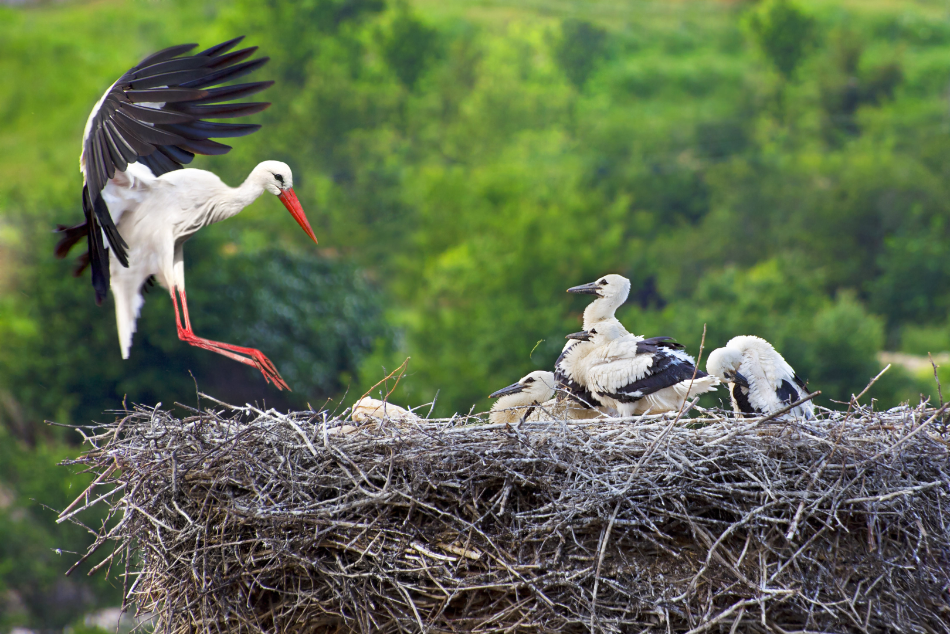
(845, 87)
(409, 47)
(458, 184)
(33, 589)
(925, 339)
(784, 33)
(580, 48)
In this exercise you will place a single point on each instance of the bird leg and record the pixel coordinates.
(253, 356)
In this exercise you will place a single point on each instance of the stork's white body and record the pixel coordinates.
(617, 362)
(156, 216)
(611, 291)
(368, 408)
(767, 382)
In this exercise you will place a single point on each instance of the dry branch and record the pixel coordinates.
(242, 520)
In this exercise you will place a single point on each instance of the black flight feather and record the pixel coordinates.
(219, 49)
(233, 58)
(165, 95)
(200, 130)
(787, 393)
(206, 147)
(237, 91)
(223, 110)
(227, 74)
(165, 53)
(177, 155)
(169, 66)
(179, 77)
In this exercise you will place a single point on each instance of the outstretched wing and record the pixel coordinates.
(636, 368)
(155, 115)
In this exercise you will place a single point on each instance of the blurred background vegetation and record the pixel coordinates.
(770, 168)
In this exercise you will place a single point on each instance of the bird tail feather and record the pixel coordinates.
(127, 308)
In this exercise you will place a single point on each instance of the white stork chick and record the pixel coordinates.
(634, 375)
(532, 398)
(368, 408)
(519, 401)
(760, 380)
(611, 291)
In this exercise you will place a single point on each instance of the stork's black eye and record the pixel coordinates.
(280, 179)
(591, 332)
(526, 381)
(603, 282)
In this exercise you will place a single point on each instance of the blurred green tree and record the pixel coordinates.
(579, 49)
(784, 33)
(409, 46)
(845, 87)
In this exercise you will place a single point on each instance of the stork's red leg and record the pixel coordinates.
(254, 357)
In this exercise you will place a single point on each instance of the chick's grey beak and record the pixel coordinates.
(580, 336)
(514, 388)
(585, 289)
(741, 380)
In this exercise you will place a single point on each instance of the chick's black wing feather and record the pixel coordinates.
(667, 370)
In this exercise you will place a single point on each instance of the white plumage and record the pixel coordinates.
(760, 380)
(532, 398)
(635, 375)
(519, 401)
(611, 291)
(368, 408)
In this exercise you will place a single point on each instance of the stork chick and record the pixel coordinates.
(635, 375)
(760, 380)
(520, 400)
(368, 408)
(532, 398)
(611, 291)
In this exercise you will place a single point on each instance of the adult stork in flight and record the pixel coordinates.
(760, 380)
(141, 206)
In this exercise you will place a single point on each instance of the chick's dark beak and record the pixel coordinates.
(580, 336)
(514, 388)
(741, 380)
(585, 289)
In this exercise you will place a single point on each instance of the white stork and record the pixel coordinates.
(519, 400)
(611, 291)
(760, 380)
(141, 206)
(368, 408)
(532, 398)
(635, 375)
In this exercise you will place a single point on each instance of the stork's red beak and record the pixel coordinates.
(289, 198)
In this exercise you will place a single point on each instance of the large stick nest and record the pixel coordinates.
(241, 520)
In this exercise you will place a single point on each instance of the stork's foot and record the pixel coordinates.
(267, 368)
(247, 356)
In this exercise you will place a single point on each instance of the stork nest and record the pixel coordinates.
(235, 519)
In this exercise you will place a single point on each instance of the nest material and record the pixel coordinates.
(239, 520)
